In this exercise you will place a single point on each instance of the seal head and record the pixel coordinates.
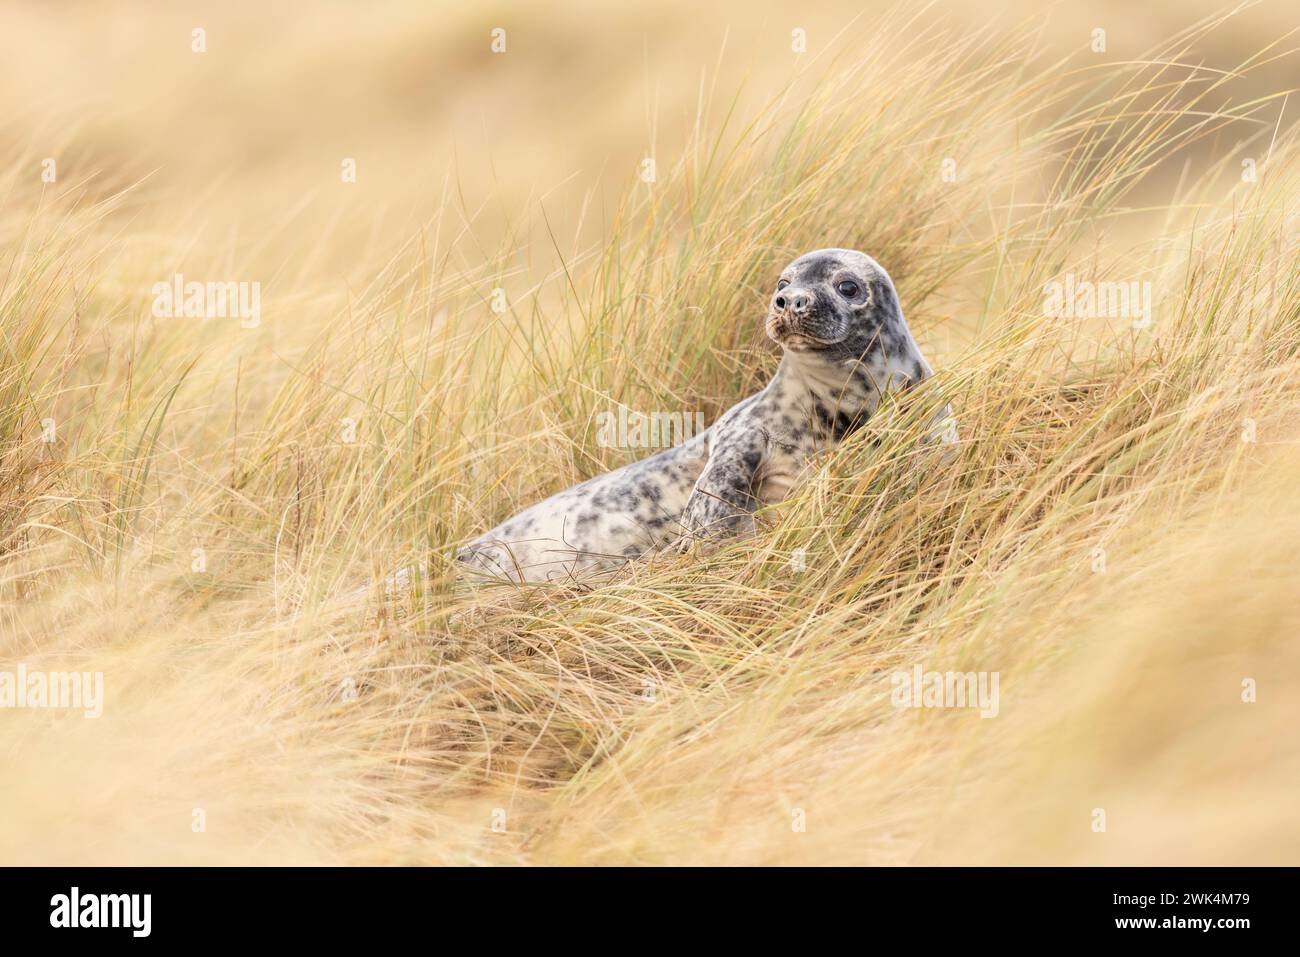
(836, 302)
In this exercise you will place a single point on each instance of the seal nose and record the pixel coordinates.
(792, 300)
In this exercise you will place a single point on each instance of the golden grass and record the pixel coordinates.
(691, 709)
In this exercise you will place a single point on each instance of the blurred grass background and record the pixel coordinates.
(683, 713)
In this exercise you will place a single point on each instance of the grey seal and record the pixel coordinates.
(836, 315)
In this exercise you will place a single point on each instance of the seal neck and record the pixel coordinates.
(838, 395)
(834, 383)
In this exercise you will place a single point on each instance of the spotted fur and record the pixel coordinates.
(836, 315)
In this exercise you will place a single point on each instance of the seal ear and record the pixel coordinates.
(872, 294)
(882, 303)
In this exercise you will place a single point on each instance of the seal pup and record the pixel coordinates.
(835, 314)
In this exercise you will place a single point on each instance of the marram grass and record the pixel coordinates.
(1116, 536)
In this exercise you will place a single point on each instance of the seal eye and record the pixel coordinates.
(847, 289)
(781, 284)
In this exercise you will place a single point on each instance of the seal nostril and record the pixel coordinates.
(779, 302)
(800, 302)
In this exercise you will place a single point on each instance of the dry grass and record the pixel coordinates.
(684, 711)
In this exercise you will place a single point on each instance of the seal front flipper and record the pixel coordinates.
(723, 501)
